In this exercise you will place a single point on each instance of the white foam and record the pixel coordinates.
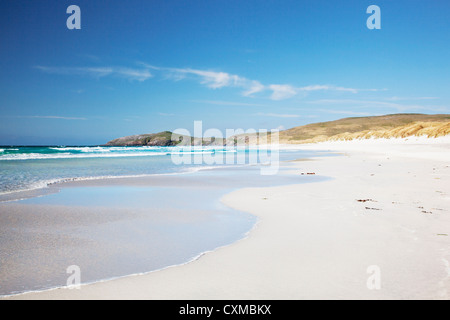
(110, 152)
(82, 149)
(50, 182)
(42, 156)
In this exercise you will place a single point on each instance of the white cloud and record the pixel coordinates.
(229, 103)
(133, 74)
(285, 91)
(351, 90)
(163, 114)
(99, 72)
(349, 113)
(211, 79)
(314, 88)
(327, 87)
(216, 79)
(282, 91)
(254, 87)
(278, 115)
(410, 98)
(52, 117)
(398, 107)
(208, 78)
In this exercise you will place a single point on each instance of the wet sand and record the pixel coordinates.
(116, 227)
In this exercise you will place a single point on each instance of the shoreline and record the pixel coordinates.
(229, 272)
(48, 186)
(74, 198)
(45, 187)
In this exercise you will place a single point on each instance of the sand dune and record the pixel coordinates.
(427, 129)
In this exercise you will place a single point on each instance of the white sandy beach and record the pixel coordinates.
(316, 241)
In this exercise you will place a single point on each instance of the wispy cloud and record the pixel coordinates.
(286, 91)
(253, 87)
(219, 79)
(51, 117)
(163, 114)
(282, 91)
(410, 98)
(399, 107)
(229, 103)
(209, 78)
(215, 79)
(212, 79)
(89, 57)
(347, 112)
(99, 72)
(277, 115)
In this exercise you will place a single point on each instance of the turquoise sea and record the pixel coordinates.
(30, 168)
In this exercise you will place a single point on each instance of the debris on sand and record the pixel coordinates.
(367, 208)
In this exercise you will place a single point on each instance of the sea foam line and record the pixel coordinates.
(102, 154)
(51, 182)
(39, 156)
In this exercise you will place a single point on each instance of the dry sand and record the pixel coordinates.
(317, 241)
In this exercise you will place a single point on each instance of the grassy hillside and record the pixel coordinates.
(389, 126)
(429, 129)
(396, 125)
(154, 139)
(161, 139)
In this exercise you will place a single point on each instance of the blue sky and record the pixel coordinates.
(144, 66)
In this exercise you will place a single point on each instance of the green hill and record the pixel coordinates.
(357, 125)
(388, 126)
(154, 139)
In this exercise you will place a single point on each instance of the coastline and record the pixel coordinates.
(99, 218)
(316, 241)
